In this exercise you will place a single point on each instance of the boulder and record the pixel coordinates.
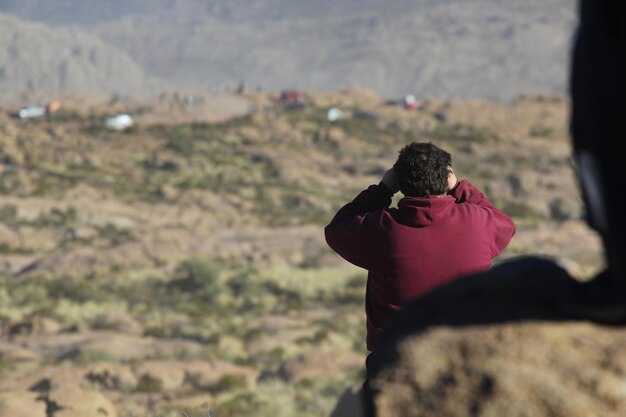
(516, 341)
(313, 365)
(21, 403)
(72, 401)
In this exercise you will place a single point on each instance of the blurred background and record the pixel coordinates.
(167, 168)
(486, 49)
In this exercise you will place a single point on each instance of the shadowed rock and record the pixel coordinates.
(508, 342)
(21, 404)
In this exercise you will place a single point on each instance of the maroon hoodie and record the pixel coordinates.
(425, 242)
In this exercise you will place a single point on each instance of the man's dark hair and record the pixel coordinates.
(422, 169)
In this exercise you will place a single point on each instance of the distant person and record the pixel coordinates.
(241, 88)
(443, 228)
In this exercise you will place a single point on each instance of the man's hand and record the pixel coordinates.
(452, 179)
(390, 179)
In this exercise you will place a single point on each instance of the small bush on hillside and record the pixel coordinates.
(229, 382)
(541, 132)
(57, 217)
(5, 248)
(195, 275)
(8, 214)
(114, 235)
(93, 356)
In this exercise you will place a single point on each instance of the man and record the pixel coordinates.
(442, 228)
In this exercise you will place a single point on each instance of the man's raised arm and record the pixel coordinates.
(502, 225)
(352, 233)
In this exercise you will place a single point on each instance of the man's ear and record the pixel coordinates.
(452, 179)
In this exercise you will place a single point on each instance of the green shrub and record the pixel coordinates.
(77, 289)
(148, 384)
(115, 235)
(542, 132)
(8, 214)
(246, 404)
(92, 356)
(8, 249)
(230, 382)
(57, 217)
(196, 275)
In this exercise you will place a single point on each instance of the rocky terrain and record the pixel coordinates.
(180, 265)
(432, 48)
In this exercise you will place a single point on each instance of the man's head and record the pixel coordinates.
(423, 169)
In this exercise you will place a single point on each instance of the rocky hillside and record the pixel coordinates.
(181, 264)
(491, 49)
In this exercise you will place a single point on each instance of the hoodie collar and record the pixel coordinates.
(422, 211)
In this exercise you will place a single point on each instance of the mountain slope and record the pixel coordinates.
(450, 48)
(34, 57)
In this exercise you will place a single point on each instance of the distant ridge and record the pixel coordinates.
(446, 48)
(35, 57)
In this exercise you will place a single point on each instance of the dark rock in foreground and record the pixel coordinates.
(501, 344)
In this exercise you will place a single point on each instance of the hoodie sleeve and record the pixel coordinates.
(501, 225)
(354, 232)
